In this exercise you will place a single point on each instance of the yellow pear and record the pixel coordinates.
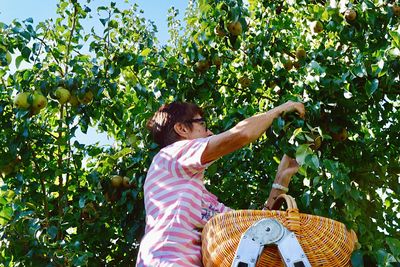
(317, 26)
(125, 182)
(341, 135)
(7, 169)
(202, 65)
(217, 61)
(73, 100)
(235, 28)
(21, 100)
(62, 95)
(301, 53)
(245, 81)
(86, 98)
(396, 10)
(288, 65)
(350, 15)
(116, 181)
(39, 102)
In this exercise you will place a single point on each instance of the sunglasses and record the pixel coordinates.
(202, 121)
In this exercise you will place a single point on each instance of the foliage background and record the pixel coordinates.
(57, 205)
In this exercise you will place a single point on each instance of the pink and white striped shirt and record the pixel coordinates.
(177, 206)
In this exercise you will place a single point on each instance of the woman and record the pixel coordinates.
(176, 202)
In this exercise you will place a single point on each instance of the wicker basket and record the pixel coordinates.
(326, 242)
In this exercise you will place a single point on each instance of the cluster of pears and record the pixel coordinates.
(118, 185)
(64, 96)
(36, 101)
(203, 65)
(235, 28)
(118, 181)
(301, 56)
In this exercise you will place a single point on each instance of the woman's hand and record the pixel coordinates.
(286, 169)
(291, 106)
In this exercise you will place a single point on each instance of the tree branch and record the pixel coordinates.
(43, 188)
(74, 19)
(60, 167)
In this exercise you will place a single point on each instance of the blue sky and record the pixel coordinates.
(40, 10)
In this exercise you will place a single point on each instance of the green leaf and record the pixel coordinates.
(388, 203)
(357, 259)
(52, 231)
(82, 201)
(5, 215)
(302, 152)
(145, 52)
(199, 81)
(377, 68)
(396, 37)
(371, 87)
(338, 188)
(317, 67)
(123, 153)
(295, 133)
(80, 260)
(113, 24)
(312, 161)
(29, 20)
(382, 257)
(26, 52)
(104, 21)
(394, 245)
(360, 71)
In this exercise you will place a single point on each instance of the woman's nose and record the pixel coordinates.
(209, 132)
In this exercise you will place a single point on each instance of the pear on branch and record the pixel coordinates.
(317, 27)
(116, 181)
(350, 15)
(21, 100)
(86, 98)
(62, 95)
(235, 28)
(38, 103)
(73, 100)
(396, 10)
(301, 54)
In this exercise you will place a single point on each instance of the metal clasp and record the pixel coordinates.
(269, 232)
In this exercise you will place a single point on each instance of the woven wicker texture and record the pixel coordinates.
(326, 242)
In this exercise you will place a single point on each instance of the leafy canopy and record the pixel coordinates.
(61, 201)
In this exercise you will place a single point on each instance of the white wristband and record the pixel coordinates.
(280, 187)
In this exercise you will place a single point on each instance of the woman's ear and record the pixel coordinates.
(181, 130)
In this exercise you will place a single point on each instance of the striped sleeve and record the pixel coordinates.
(188, 160)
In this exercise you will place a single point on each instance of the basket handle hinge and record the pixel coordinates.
(269, 232)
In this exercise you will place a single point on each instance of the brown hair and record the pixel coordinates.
(161, 125)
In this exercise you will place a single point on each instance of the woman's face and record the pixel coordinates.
(199, 128)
